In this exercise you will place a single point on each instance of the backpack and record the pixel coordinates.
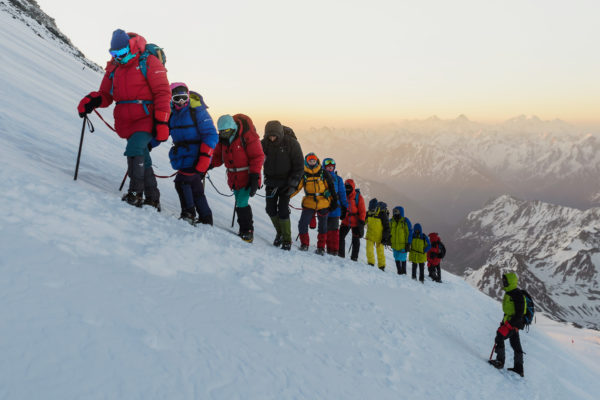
(357, 196)
(529, 308)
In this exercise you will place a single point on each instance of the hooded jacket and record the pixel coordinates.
(284, 160)
(437, 250)
(419, 246)
(513, 300)
(401, 231)
(378, 225)
(356, 207)
(193, 144)
(319, 189)
(240, 160)
(128, 83)
(340, 190)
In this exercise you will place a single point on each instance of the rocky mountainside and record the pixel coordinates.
(554, 250)
(30, 13)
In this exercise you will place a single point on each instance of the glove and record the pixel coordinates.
(290, 191)
(386, 241)
(152, 144)
(505, 329)
(253, 183)
(361, 229)
(344, 212)
(407, 248)
(313, 221)
(89, 103)
(204, 158)
(162, 130)
(333, 204)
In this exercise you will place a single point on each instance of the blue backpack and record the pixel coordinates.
(529, 309)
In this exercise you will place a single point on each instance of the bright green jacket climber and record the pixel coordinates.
(513, 299)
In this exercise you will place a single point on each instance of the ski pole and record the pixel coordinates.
(493, 348)
(123, 182)
(91, 127)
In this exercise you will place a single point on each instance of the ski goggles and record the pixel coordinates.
(226, 133)
(329, 161)
(120, 53)
(180, 98)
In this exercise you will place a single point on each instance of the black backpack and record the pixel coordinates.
(529, 308)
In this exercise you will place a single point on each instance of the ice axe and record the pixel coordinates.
(91, 128)
(492, 354)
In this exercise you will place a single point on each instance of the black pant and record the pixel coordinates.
(277, 204)
(515, 343)
(344, 229)
(421, 271)
(435, 272)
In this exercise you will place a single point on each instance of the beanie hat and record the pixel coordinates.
(226, 122)
(274, 128)
(120, 39)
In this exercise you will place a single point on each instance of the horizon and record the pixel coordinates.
(360, 65)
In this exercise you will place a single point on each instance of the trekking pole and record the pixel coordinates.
(493, 348)
(123, 181)
(91, 128)
(234, 210)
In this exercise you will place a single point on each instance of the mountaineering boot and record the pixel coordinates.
(189, 216)
(320, 251)
(205, 220)
(151, 189)
(286, 246)
(382, 268)
(303, 247)
(133, 198)
(497, 363)
(247, 236)
(278, 236)
(517, 369)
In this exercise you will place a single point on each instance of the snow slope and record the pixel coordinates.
(102, 300)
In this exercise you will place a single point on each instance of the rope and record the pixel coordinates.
(273, 194)
(217, 190)
(106, 123)
(89, 124)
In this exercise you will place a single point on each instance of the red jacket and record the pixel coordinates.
(356, 210)
(437, 248)
(250, 159)
(128, 83)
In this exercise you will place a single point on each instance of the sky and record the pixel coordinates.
(356, 63)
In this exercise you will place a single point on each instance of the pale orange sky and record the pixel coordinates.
(355, 62)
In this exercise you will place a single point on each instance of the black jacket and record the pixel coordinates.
(284, 161)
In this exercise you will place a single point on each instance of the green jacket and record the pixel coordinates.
(378, 227)
(400, 233)
(513, 300)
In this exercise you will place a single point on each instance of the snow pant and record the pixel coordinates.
(191, 197)
(371, 255)
(400, 259)
(333, 235)
(435, 272)
(242, 196)
(515, 343)
(243, 210)
(305, 218)
(344, 229)
(139, 166)
(421, 271)
(277, 207)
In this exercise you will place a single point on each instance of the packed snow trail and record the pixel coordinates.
(103, 300)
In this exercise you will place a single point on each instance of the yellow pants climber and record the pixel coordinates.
(371, 255)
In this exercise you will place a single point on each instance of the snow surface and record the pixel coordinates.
(103, 300)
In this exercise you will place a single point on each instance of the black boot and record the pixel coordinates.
(134, 198)
(518, 369)
(206, 220)
(189, 216)
(286, 246)
(497, 363)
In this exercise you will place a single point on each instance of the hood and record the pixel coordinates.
(418, 228)
(351, 183)
(382, 205)
(372, 204)
(433, 237)
(274, 128)
(511, 279)
(137, 43)
(401, 209)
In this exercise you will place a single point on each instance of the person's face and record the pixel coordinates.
(272, 138)
(330, 168)
(311, 162)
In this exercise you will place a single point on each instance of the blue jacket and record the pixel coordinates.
(187, 138)
(340, 189)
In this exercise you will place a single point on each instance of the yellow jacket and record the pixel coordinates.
(318, 188)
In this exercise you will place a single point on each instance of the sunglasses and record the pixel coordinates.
(180, 98)
(120, 53)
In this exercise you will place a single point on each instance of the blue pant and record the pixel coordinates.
(191, 194)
